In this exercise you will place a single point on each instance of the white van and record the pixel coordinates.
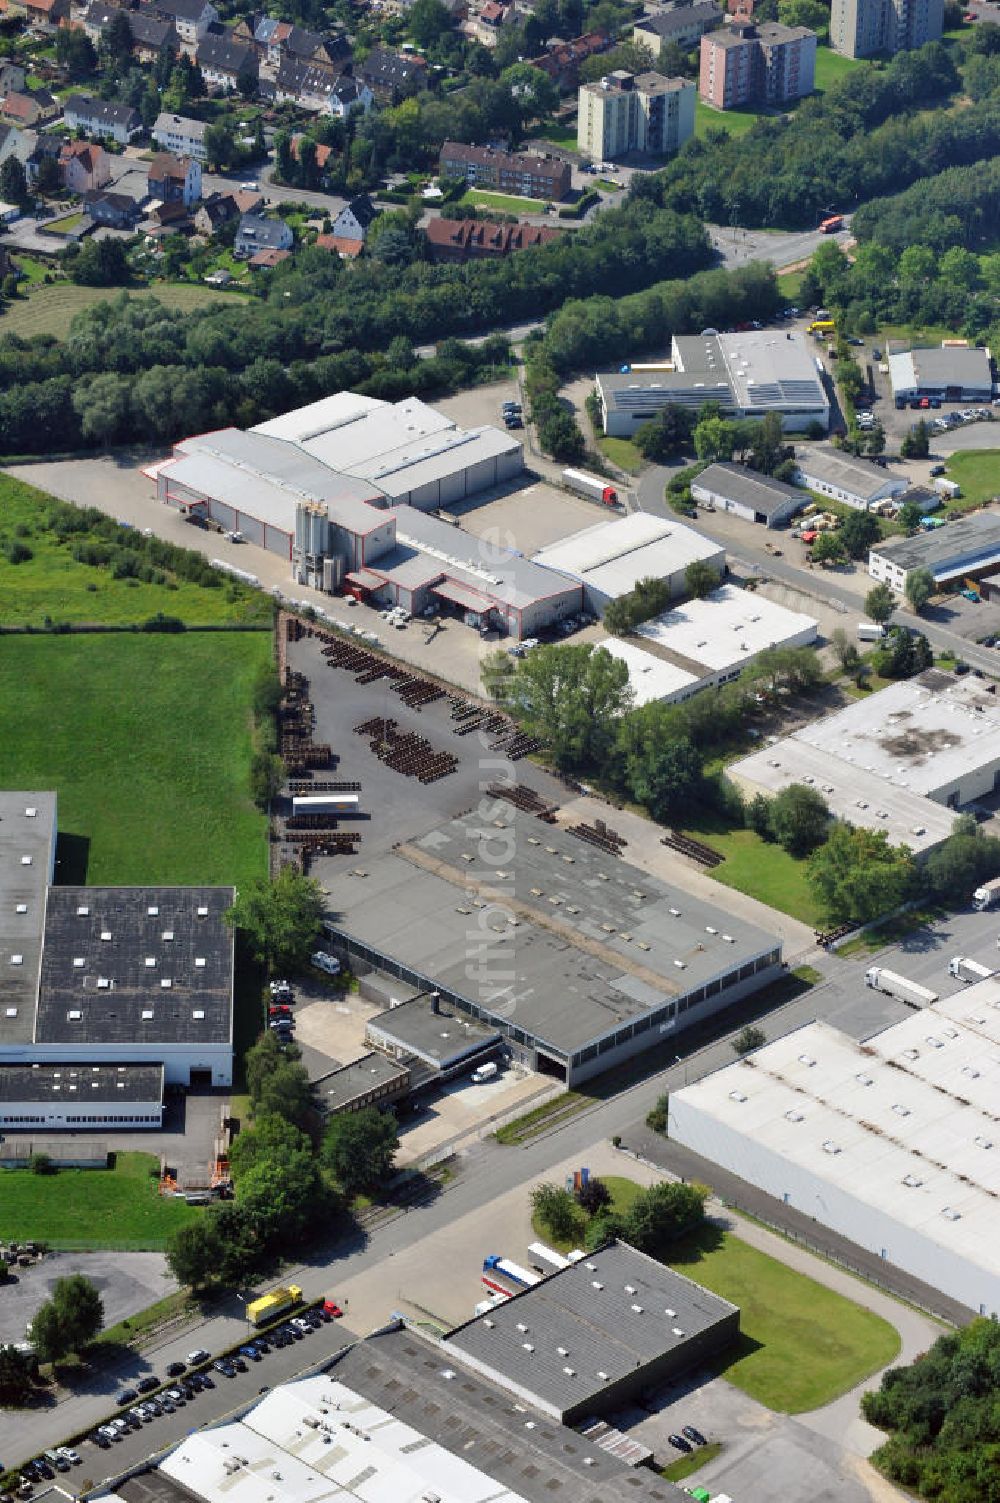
(325, 962)
(868, 631)
(485, 1072)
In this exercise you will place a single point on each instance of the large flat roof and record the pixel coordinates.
(567, 1339)
(938, 367)
(136, 965)
(613, 556)
(423, 461)
(81, 1084)
(491, 569)
(650, 677)
(596, 942)
(858, 476)
(27, 852)
(726, 629)
(904, 1122)
(768, 367)
(439, 1037)
(960, 541)
(339, 409)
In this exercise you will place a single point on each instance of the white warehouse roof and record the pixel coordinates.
(727, 629)
(611, 557)
(893, 1142)
(319, 417)
(651, 677)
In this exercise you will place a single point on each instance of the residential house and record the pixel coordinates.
(304, 84)
(190, 18)
(183, 137)
(280, 41)
(175, 179)
(216, 210)
(458, 240)
(28, 107)
(562, 60)
(150, 36)
(355, 219)
(166, 219)
(347, 250)
(84, 166)
(42, 148)
(268, 258)
(323, 155)
(685, 25)
(12, 79)
(224, 63)
(16, 143)
(392, 77)
(349, 94)
(98, 117)
(506, 171)
(248, 201)
(47, 15)
(256, 233)
(117, 211)
(13, 10)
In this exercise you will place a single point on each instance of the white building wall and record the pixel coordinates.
(865, 1225)
(80, 1115)
(178, 1060)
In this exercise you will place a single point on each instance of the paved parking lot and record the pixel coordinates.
(127, 1283)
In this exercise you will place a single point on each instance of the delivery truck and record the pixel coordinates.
(898, 986)
(987, 896)
(485, 1072)
(868, 631)
(969, 970)
(591, 486)
(503, 1276)
(326, 803)
(270, 1306)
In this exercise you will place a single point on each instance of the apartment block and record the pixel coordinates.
(625, 112)
(757, 64)
(863, 28)
(506, 171)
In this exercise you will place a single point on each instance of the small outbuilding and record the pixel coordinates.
(745, 493)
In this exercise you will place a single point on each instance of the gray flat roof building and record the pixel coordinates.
(27, 866)
(576, 957)
(593, 1336)
(53, 1082)
(433, 1031)
(843, 477)
(949, 372)
(964, 546)
(372, 1080)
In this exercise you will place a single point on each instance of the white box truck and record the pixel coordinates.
(591, 486)
(326, 803)
(485, 1072)
(898, 986)
(987, 896)
(868, 631)
(969, 970)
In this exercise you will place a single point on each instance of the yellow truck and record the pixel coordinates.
(270, 1306)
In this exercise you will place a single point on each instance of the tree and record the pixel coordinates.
(248, 78)
(194, 1253)
(271, 1137)
(857, 875)
(359, 1148)
(902, 653)
(768, 448)
(663, 1213)
(715, 438)
(75, 52)
(281, 1197)
(662, 771)
(828, 549)
(917, 443)
(99, 263)
(13, 183)
(858, 532)
(845, 649)
(220, 145)
(102, 404)
(536, 94)
(666, 435)
(285, 1091)
(880, 602)
(16, 1375)
(810, 13)
(593, 1196)
(700, 579)
(280, 920)
(571, 698)
(117, 42)
(557, 1211)
(649, 598)
(962, 862)
(267, 777)
(69, 1320)
(919, 588)
(910, 517)
(799, 819)
(748, 1039)
(429, 21)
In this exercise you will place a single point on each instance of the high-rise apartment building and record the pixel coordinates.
(626, 112)
(862, 28)
(757, 64)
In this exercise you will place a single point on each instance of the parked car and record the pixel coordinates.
(101, 1440)
(147, 1384)
(225, 1367)
(251, 1352)
(174, 1369)
(198, 1355)
(127, 1396)
(59, 1462)
(680, 1443)
(691, 1433)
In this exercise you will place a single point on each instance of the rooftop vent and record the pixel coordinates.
(737, 1096)
(152, 910)
(78, 961)
(794, 1115)
(150, 961)
(82, 911)
(912, 1181)
(21, 908)
(950, 1214)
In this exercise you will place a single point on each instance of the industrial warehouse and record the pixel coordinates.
(966, 548)
(748, 375)
(564, 953)
(904, 760)
(407, 1417)
(610, 558)
(107, 993)
(889, 1142)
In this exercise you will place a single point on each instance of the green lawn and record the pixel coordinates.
(50, 309)
(560, 135)
(52, 584)
(756, 867)
(120, 1208)
(736, 122)
(623, 1193)
(623, 453)
(64, 225)
(801, 1345)
(978, 473)
(502, 203)
(790, 285)
(831, 67)
(146, 740)
(686, 1466)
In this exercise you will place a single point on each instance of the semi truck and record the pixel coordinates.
(503, 1276)
(832, 225)
(326, 803)
(591, 486)
(987, 896)
(546, 1258)
(898, 986)
(969, 970)
(270, 1306)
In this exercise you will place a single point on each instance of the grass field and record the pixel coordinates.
(978, 473)
(831, 67)
(686, 1466)
(53, 584)
(146, 739)
(790, 285)
(50, 309)
(560, 135)
(736, 122)
(121, 1207)
(502, 202)
(623, 453)
(801, 1345)
(756, 867)
(623, 1193)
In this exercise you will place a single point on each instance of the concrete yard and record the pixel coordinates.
(460, 1110)
(126, 1281)
(530, 518)
(331, 1028)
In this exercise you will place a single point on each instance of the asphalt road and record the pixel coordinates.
(737, 246)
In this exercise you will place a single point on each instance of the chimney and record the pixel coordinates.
(435, 1003)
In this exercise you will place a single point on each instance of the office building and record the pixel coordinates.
(950, 373)
(864, 28)
(625, 112)
(964, 549)
(756, 65)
